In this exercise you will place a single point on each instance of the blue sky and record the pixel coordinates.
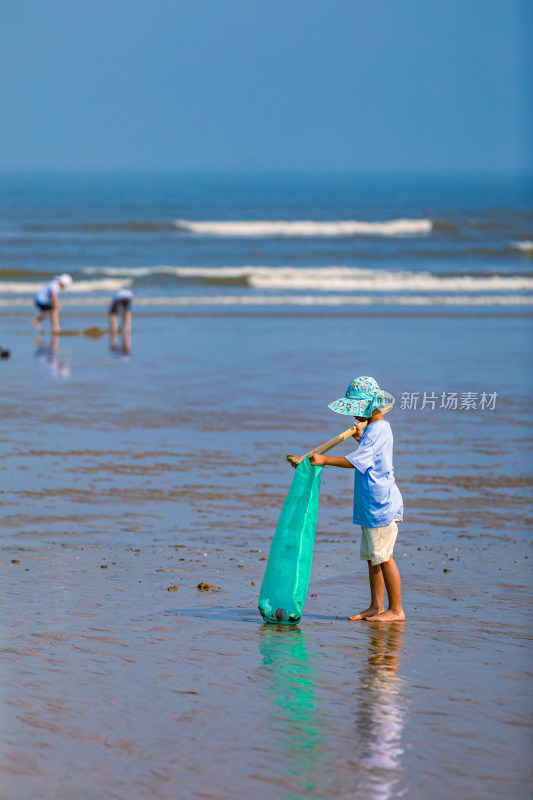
(419, 85)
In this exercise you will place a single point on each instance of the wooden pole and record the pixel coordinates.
(329, 445)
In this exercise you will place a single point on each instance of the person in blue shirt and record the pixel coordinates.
(378, 504)
(120, 304)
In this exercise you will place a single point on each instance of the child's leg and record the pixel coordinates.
(39, 318)
(391, 577)
(377, 593)
(113, 323)
(126, 322)
(55, 320)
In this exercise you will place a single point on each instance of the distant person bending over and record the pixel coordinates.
(121, 304)
(47, 301)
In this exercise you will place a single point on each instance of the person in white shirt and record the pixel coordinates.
(47, 301)
(121, 304)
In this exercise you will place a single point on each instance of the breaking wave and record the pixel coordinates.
(261, 228)
(340, 300)
(304, 300)
(77, 287)
(524, 247)
(329, 279)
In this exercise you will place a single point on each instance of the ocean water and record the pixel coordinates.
(269, 241)
(132, 471)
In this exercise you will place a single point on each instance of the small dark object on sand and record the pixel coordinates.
(173, 588)
(95, 332)
(4, 352)
(446, 570)
(204, 587)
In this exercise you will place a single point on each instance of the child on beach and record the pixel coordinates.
(121, 304)
(378, 504)
(47, 301)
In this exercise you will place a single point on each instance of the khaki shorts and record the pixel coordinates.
(377, 544)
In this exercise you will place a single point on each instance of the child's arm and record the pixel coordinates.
(330, 461)
(336, 461)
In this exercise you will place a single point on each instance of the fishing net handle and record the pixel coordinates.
(329, 445)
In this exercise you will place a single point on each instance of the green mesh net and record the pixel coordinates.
(288, 569)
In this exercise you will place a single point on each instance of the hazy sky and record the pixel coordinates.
(266, 84)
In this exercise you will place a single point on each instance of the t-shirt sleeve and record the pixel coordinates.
(362, 458)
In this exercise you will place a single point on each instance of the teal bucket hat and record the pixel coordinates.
(363, 395)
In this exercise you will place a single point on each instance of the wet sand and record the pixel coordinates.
(124, 478)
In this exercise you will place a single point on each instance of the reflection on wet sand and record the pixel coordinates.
(47, 353)
(288, 671)
(120, 342)
(380, 719)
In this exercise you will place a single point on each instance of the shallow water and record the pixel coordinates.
(125, 475)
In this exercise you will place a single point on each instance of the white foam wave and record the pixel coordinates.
(77, 287)
(395, 227)
(524, 247)
(384, 281)
(300, 300)
(132, 272)
(334, 279)
(339, 300)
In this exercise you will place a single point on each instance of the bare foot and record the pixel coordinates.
(388, 616)
(372, 611)
(36, 324)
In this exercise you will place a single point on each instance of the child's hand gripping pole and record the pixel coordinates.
(323, 448)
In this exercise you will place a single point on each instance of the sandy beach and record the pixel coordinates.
(128, 480)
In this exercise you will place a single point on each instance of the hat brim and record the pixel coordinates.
(351, 408)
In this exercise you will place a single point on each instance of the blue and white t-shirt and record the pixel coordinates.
(123, 294)
(377, 501)
(44, 295)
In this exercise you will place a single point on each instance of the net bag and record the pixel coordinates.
(288, 568)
